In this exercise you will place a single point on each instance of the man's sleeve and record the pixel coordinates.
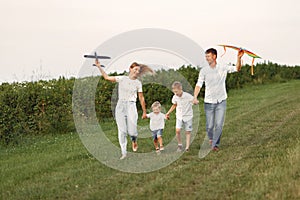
(201, 78)
(231, 68)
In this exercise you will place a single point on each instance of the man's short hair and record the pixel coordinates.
(212, 51)
(177, 84)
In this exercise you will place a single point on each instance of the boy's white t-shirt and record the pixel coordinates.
(157, 121)
(128, 88)
(184, 109)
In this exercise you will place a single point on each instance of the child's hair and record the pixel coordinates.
(156, 104)
(144, 69)
(177, 84)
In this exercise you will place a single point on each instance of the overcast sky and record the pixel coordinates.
(54, 34)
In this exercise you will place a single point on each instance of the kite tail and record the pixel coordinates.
(252, 70)
(224, 52)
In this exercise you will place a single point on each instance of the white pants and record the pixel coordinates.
(126, 117)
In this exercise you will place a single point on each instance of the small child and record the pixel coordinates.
(182, 102)
(157, 125)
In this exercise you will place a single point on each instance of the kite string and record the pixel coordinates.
(224, 52)
(252, 70)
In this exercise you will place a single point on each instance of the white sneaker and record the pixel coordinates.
(157, 151)
(179, 148)
(123, 156)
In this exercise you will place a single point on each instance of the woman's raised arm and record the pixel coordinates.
(104, 74)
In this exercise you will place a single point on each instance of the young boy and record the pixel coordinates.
(182, 102)
(157, 125)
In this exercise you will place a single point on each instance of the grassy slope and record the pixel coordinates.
(260, 158)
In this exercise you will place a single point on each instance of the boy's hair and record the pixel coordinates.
(177, 84)
(156, 104)
(212, 51)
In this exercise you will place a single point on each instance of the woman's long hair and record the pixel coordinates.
(144, 69)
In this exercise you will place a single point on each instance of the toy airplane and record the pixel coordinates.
(96, 57)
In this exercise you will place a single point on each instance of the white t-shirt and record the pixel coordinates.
(214, 78)
(128, 88)
(184, 109)
(157, 121)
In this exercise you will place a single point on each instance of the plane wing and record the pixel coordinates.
(99, 57)
(101, 65)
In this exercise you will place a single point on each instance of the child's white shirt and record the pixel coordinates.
(157, 121)
(184, 108)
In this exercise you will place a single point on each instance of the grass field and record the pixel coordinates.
(259, 159)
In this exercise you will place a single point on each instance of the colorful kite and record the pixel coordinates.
(249, 53)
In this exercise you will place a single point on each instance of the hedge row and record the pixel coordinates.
(45, 107)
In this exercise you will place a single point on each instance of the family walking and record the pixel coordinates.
(130, 88)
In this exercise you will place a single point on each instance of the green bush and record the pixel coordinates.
(45, 107)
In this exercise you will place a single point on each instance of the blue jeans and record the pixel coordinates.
(157, 133)
(215, 116)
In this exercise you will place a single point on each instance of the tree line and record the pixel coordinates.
(45, 107)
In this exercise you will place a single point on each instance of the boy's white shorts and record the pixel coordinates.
(188, 125)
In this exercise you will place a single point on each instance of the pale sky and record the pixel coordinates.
(55, 34)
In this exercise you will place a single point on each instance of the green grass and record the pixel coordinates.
(259, 159)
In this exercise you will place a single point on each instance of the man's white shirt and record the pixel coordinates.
(214, 78)
(184, 109)
(128, 88)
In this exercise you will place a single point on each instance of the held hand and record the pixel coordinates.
(98, 64)
(167, 116)
(144, 116)
(195, 101)
(240, 53)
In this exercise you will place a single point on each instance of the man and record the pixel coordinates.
(214, 77)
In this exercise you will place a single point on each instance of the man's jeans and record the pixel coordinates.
(215, 116)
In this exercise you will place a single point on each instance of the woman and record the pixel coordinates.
(126, 112)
